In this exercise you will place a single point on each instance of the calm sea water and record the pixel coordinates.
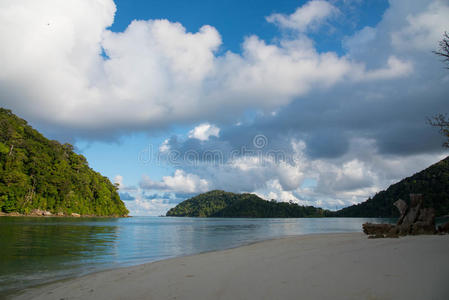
(39, 250)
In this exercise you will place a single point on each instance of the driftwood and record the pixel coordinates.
(412, 220)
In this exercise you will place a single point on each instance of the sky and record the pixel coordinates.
(317, 102)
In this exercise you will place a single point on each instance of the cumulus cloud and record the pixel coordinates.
(155, 73)
(180, 182)
(305, 17)
(423, 29)
(358, 174)
(203, 131)
(353, 138)
(148, 207)
(118, 179)
(352, 123)
(395, 68)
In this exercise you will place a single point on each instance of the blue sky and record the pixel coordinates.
(234, 20)
(237, 19)
(318, 102)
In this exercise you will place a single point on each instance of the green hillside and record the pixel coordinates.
(37, 173)
(223, 204)
(432, 183)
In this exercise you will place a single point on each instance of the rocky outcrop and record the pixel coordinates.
(444, 228)
(412, 220)
(38, 212)
(376, 229)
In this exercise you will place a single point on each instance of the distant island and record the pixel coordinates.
(43, 177)
(224, 204)
(432, 183)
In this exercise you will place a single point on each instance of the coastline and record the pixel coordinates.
(325, 266)
(51, 215)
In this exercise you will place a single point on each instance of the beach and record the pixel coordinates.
(320, 266)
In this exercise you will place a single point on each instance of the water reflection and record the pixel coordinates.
(38, 250)
(35, 250)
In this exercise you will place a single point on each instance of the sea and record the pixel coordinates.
(39, 250)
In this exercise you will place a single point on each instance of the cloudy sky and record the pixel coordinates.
(317, 102)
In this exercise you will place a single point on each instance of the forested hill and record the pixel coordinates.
(37, 173)
(223, 204)
(432, 183)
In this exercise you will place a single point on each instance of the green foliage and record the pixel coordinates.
(432, 183)
(3, 149)
(223, 204)
(36, 173)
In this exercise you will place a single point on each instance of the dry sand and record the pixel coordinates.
(331, 266)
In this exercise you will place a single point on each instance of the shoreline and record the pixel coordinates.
(326, 266)
(51, 215)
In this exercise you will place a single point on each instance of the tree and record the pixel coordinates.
(441, 120)
(443, 48)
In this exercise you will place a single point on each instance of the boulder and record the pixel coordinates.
(39, 212)
(413, 211)
(14, 214)
(402, 207)
(75, 215)
(444, 228)
(412, 220)
(393, 232)
(425, 224)
(376, 229)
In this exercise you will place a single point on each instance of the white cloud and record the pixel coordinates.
(165, 147)
(148, 207)
(180, 182)
(203, 131)
(395, 68)
(346, 180)
(423, 30)
(157, 73)
(276, 192)
(118, 179)
(357, 42)
(305, 17)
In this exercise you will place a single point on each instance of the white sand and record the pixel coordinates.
(333, 266)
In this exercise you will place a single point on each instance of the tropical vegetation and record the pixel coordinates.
(432, 183)
(37, 173)
(224, 204)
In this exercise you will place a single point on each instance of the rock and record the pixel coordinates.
(375, 229)
(422, 228)
(14, 214)
(402, 207)
(404, 229)
(412, 220)
(444, 228)
(60, 214)
(75, 215)
(425, 224)
(413, 211)
(393, 232)
(38, 212)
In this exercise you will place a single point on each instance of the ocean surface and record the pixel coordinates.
(39, 250)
